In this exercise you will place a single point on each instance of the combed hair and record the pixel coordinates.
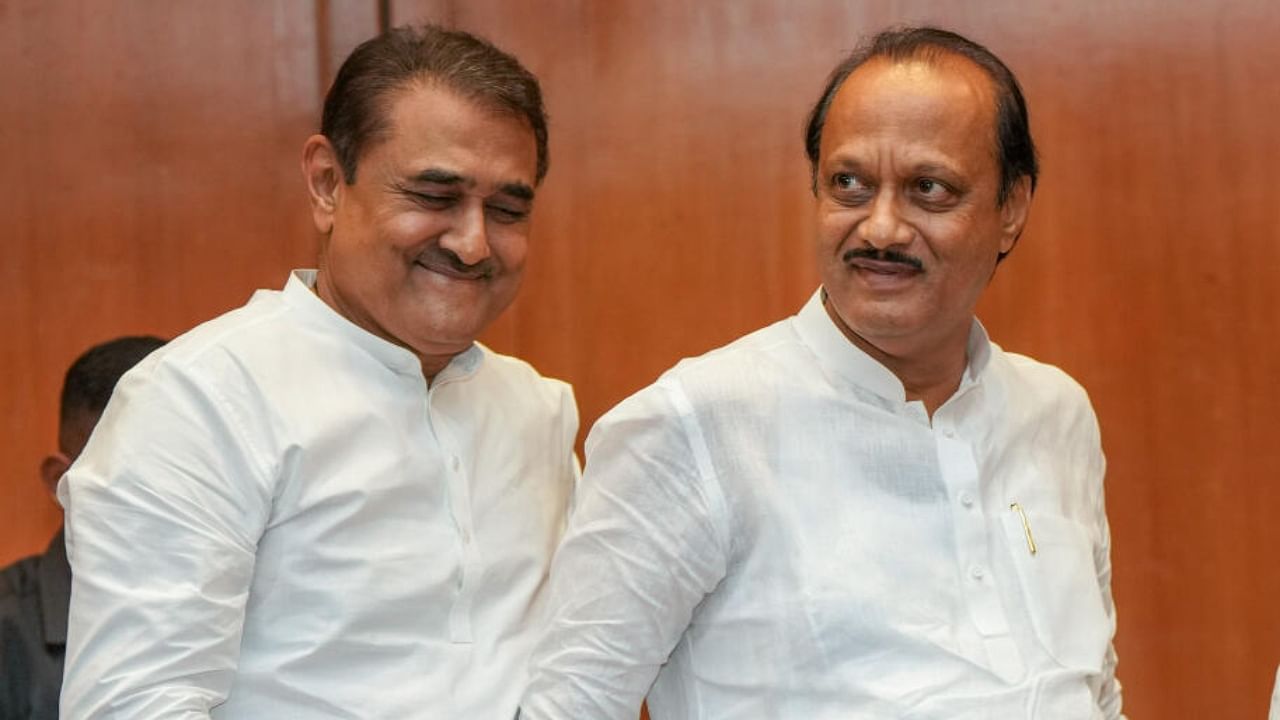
(1015, 150)
(356, 107)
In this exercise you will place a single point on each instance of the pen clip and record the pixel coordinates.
(1026, 527)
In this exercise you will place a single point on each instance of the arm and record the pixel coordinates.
(569, 437)
(164, 509)
(646, 543)
(1109, 693)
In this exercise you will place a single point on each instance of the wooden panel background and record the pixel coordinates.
(152, 183)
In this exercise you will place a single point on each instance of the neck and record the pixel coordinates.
(432, 365)
(931, 375)
(432, 362)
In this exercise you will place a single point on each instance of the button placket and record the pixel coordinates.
(960, 472)
(997, 649)
(471, 566)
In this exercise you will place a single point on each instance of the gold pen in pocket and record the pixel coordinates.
(1026, 527)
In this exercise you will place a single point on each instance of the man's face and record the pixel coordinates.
(908, 225)
(428, 244)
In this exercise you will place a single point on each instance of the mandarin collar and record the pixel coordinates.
(299, 294)
(55, 590)
(838, 355)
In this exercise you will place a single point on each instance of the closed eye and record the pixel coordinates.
(505, 215)
(433, 201)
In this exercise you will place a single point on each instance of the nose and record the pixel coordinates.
(884, 227)
(468, 237)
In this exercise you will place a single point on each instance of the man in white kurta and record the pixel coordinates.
(333, 502)
(867, 511)
(280, 518)
(774, 531)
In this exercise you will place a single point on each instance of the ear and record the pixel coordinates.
(51, 470)
(323, 175)
(1014, 214)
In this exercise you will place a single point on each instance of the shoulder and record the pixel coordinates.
(517, 379)
(200, 395)
(519, 375)
(1040, 382)
(211, 349)
(19, 580)
(1039, 395)
(241, 362)
(746, 366)
(265, 316)
(733, 378)
(745, 352)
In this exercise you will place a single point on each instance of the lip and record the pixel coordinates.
(452, 273)
(884, 275)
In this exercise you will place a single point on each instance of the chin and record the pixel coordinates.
(877, 327)
(446, 327)
(425, 346)
(452, 335)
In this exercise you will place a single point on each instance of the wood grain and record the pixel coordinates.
(676, 217)
(153, 183)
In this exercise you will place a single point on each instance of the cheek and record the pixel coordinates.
(969, 271)
(834, 226)
(954, 238)
(511, 248)
(409, 230)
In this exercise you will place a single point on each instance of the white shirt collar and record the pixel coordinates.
(838, 355)
(299, 293)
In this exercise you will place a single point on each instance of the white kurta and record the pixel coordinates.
(277, 518)
(772, 531)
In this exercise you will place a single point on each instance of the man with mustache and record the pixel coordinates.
(867, 510)
(333, 502)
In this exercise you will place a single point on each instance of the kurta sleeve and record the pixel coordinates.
(1109, 692)
(569, 436)
(647, 541)
(164, 509)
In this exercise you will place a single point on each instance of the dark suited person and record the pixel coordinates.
(35, 591)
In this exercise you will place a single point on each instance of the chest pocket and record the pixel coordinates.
(1060, 584)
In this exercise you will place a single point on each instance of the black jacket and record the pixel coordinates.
(34, 595)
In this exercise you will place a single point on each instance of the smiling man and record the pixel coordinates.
(333, 502)
(867, 510)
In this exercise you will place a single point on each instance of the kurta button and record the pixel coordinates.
(949, 433)
(976, 572)
(966, 499)
(453, 463)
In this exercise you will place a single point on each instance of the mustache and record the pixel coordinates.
(892, 256)
(440, 258)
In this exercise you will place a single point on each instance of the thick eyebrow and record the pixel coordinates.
(438, 176)
(517, 190)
